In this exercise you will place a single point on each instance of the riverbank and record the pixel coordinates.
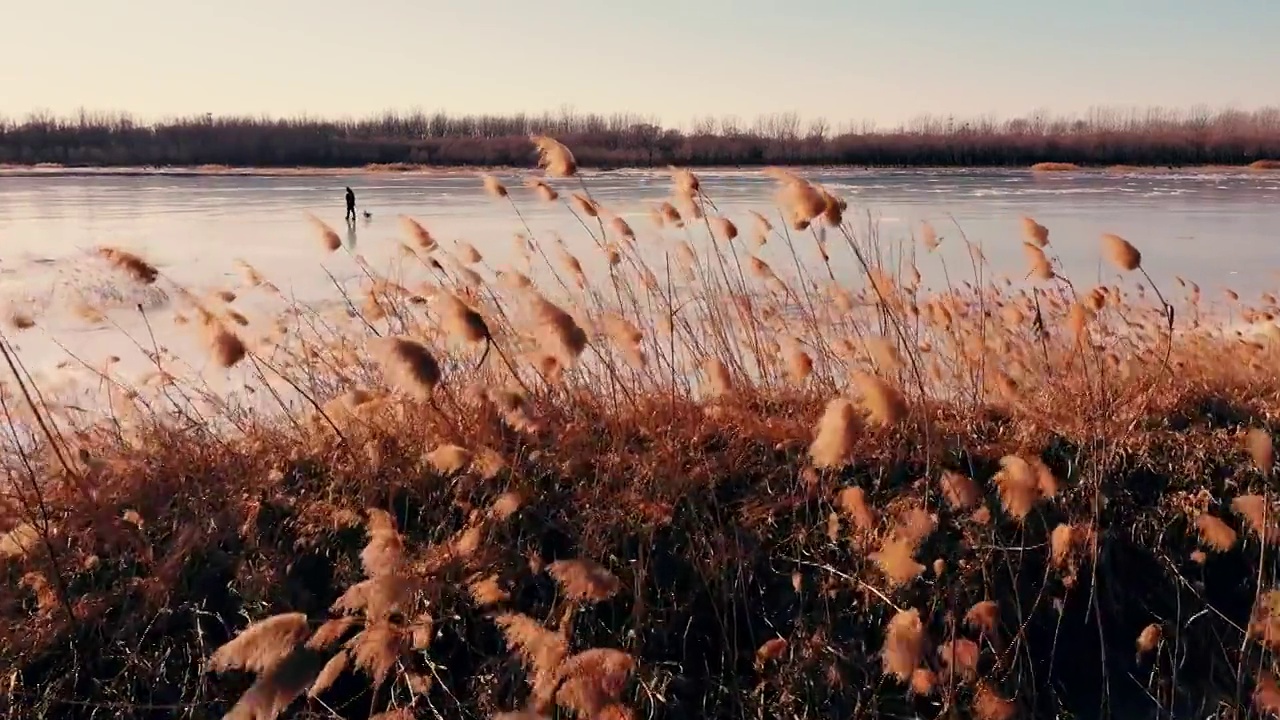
(438, 140)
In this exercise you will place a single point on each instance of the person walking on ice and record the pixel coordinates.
(351, 205)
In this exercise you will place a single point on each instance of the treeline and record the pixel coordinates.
(1100, 138)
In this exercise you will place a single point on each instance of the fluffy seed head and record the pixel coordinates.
(225, 346)
(541, 650)
(832, 210)
(852, 502)
(988, 704)
(762, 225)
(903, 645)
(137, 268)
(545, 192)
(1266, 694)
(983, 616)
(723, 227)
(959, 659)
(1261, 450)
(669, 215)
(1040, 268)
(1034, 232)
(557, 333)
(686, 183)
(896, 560)
(262, 645)
(584, 580)
(459, 320)
(493, 186)
(960, 491)
(1215, 534)
(449, 459)
(1258, 515)
(719, 381)
(621, 228)
(328, 236)
(885, 404)
(468, 254)
(1149, 639)
(585, 205)
(772, 649)
(929, 236)
(417, 233)
(593, 680)
(802, 202)
(1019, 486)
(554, 157)
(923, 681)
(407, 365)
(1120, 253)
(834, 435)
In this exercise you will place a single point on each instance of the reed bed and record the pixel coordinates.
(702, 479)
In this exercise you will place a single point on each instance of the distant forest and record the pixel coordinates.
(1102, 137)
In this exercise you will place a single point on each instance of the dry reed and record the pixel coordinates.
(753, 449)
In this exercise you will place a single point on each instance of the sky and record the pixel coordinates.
(883, 60)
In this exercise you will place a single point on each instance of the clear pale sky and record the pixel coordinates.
(886, 60)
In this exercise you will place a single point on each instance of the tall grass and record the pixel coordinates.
(716, 478)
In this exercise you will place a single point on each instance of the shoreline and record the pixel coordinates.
(45, 170)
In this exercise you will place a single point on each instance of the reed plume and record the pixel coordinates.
(554, 157)
(852, 502)
(929, 236)
(885, 404)
(417, 233)
(585, 205)
(557, 333)
(1034, 232)
(903, 645)
(468, 254)
(494, 187)
(407, 365)
(227, 347)
(1215, 533)
(133, 265)
(960, 491)
(542, 653)
(459, 320)
(1018, 485)
(584, 580)
(1261, 450)
(262, 645)
(1120, 252)
(834, 435)
(983, 616)
(328, 236)
(988, 704)
(723, 227)
(545, 192)
(719, 381)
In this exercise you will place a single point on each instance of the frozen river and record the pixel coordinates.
(1217, 228)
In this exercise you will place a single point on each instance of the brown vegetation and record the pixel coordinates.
(1054, 167)
(397, 142)
(624, 500)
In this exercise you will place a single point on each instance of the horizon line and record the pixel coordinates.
(710, 121)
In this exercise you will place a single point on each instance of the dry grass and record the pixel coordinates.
(707, 482)
(1054, 167)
